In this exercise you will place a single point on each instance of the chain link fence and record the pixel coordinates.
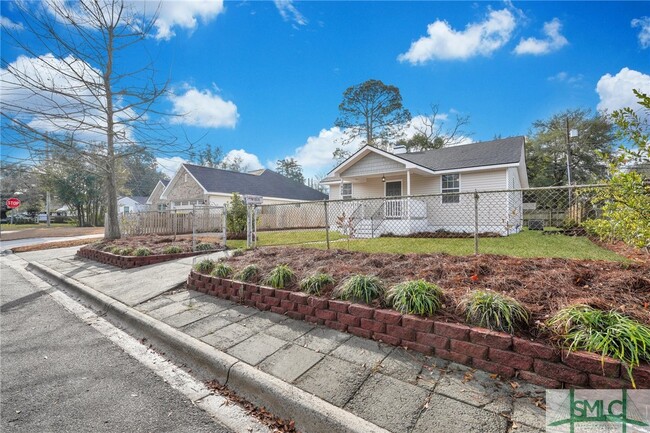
(452, 215)
(204, 222)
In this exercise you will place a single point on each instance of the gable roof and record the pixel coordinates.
(485, 153)
(265, 183)
(481, 154)
(135, 198)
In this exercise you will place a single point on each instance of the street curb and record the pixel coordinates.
(310, 413)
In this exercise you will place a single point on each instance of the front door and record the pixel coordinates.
(394, 189)
(393, 206)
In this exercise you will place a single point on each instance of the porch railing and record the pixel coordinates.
(394, 208)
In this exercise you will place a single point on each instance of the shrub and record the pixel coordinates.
(237, 252)
(142, 251)
(415, 297)
(363, 288)
(126, 251)
(314, 284)
(280, 277)
(625, 203)
(221, 270)
(172, 249)
(494, 311)
(205, 266)
(115, 250)
(236, 217)
(205, 247)
(249, 273)
(608, 333)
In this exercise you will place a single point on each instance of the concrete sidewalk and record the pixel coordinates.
(398, 390)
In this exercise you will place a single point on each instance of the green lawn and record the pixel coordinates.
(287, 237)
(524, 244)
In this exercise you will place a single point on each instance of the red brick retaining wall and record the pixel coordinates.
(127, 262)
(492, 351)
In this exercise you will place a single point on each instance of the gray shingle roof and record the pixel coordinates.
(494, 152)
(140, 199)
(265, 183)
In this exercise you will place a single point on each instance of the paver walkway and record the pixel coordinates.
(399, 390)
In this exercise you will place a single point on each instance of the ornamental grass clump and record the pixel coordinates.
(205, 247)
(494, 311)
(280, 277)
(115, 250)
(142, 251)
(608, 333)
(221, 270)
(248, 274)
(237, 252)
(126, 251)
(172, 249)
(364, 288)
(415, 297)
(314, 284)
(205, 266)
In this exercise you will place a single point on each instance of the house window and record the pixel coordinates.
(126, 209)
(346, 191)
(450, 185)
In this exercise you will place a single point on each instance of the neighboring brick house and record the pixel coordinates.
(154, 201)
(194, 184)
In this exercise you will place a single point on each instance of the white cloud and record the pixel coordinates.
(51, 94)
(10, 25)
(444, 43)
(169, 14)
(565, 77)
(170, 166)
(616, 91)
(289, 12)
(185, 15)
(553, 41)
(249, 160)
(644, 33)
(204, 109)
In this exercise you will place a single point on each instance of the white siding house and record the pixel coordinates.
(127, 205)
(399, 180)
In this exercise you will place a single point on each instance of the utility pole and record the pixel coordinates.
(47, 207)
(568, 152)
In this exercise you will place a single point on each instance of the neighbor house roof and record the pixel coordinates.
(265, 183)
(494, 152)
(135, 198)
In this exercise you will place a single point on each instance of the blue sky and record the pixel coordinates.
(263, 79)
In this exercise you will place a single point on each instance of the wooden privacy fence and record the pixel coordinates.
(172, 222)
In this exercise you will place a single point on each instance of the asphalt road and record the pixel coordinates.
(59, 375)
(5, 245)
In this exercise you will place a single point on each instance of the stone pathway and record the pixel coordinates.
(399, 390)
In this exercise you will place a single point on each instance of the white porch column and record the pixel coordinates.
(408, 194)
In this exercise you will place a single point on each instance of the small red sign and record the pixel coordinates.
(13, 203)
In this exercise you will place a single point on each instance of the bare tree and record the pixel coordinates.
(435, 132)
(85, 95)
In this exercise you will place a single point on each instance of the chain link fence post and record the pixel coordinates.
(225, 225)
(194, 227)
(475, 222)
(327, 225)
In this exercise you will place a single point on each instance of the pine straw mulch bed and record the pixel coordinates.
(156, 243)
(543, 285)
